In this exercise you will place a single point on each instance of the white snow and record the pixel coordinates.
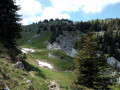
(45, 64)
(26, 50)
(112, 61)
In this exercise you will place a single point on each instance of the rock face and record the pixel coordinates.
(65, 42)
(54, 46)
(19, 65)
(113, 62)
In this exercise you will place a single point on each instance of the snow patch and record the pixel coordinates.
(26, 50)
(45, 64)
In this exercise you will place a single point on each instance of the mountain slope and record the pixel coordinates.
(57, 42)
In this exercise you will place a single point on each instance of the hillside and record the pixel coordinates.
(57, 41)
(48, 50)
(58, 54)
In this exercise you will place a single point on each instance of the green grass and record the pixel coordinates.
(14, 78)
(62, 55)
(36, 43)
(63, 78)
(61, 62)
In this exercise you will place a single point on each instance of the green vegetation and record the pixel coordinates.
(61, 61)
(36, 43)
(16, 78)
(89, 67)
(49, 30)
(63, 78)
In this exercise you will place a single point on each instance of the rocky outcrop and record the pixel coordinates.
(54, 46)
(65, 42)
(114, 63)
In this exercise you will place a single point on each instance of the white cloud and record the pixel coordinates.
(96, 6)
(30, 9)
(87, 6)
(50, 12)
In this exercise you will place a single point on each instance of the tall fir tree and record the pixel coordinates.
(10, 27)
(89, 67)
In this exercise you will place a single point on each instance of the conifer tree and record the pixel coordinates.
(9, 22)
(88, 66)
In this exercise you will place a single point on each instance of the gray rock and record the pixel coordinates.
(28, 81)
(112, 61)
(6, 87)
(54, 46)
(19, 65)
(51, 55)
(66, 43)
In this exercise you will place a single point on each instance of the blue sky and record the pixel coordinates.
(76, 10)
(111, 11)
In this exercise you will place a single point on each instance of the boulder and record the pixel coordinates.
(28, 81)
(19, 65)
(51, 55)
(6, 87)
(112, 61)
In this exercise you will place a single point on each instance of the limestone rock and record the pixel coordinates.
(51, 55)
(6, 87)
(28, 81)
(19, 65)
(112, 61)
